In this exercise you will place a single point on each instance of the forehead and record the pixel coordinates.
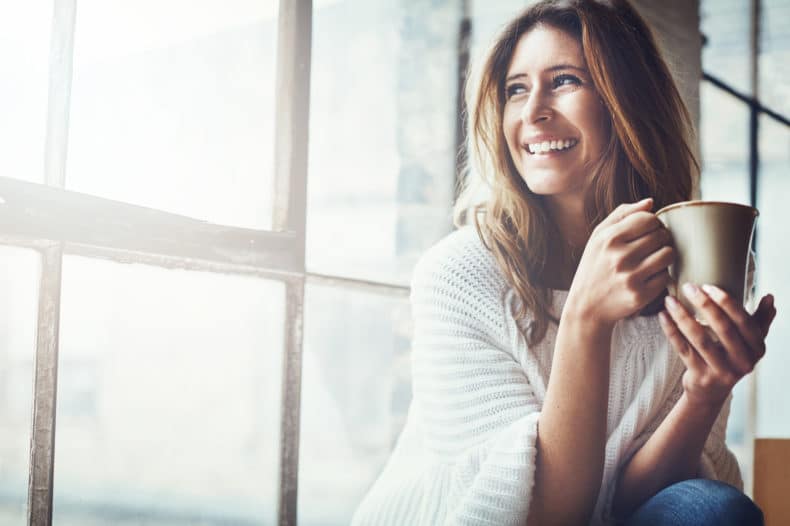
(544, 46)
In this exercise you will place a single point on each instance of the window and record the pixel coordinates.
(744, 137)
(179, 296)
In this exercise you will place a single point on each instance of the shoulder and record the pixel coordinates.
(458, 278)
(459, 260)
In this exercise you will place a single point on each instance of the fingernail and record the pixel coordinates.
(671, 303)
(690, 290)
(713, 292)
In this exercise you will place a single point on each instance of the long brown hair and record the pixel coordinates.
(648, 153)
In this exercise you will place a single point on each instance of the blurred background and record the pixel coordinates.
(173, 380)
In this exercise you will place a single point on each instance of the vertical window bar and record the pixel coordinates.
(292, 99)
(754, 164)
(291, 400)
(464, 44)
(42, 443)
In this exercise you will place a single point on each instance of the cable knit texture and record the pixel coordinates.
(466, 455)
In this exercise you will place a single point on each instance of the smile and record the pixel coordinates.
(551, 146)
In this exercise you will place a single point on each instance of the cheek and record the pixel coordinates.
(510, 130)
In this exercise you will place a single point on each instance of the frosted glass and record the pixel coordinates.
(168, 396)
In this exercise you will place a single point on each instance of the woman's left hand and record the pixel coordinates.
(714, 367)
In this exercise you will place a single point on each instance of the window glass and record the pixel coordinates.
(169, 396)
(488, 18)
(172, 106)
(774, 57)
(773, 372)
(724, 139)
(725, 52)
(356, 389)
(19, 278)
(24, 77)
(382, 135)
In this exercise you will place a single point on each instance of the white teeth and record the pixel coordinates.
(545, 146)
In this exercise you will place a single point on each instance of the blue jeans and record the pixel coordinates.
(698, 502)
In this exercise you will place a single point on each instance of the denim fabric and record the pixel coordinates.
(697, 502)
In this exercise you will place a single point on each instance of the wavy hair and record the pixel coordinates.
(647, 153)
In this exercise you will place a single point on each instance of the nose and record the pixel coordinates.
(536, 108)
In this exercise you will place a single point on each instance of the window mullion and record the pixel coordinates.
(42, 443)
(292, 98)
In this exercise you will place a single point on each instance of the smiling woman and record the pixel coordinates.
(546, 387)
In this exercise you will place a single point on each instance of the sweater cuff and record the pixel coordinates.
(492, 484)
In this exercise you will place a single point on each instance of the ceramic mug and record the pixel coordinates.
(712, 241)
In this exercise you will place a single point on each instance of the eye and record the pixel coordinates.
(565, 79)
(514, 89)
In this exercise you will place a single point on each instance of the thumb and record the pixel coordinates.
(626, 209)
(765, 314)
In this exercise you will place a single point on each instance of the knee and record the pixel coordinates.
(721, 503)
(698, 502)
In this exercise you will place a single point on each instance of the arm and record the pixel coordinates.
(670, 455)
(622, 269)
(715, 360)
(569, 464)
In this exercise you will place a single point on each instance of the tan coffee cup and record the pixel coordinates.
(712, 241)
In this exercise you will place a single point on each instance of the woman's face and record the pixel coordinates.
(553, 119)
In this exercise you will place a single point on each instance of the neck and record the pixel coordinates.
(568, 215)
(566, 249)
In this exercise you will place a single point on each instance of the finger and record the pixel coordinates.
(752, 328)
(656, 262)
(636, 225)
(740, 353)
(626, 209)
(678, 342)
(645, 245)
(697, 336)
(657, 283)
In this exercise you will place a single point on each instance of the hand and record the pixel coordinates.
(716, 358)
(624, 265)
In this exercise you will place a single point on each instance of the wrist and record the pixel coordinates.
(702, 407)
(585, 318)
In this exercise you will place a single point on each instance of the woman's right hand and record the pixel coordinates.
(624, 265)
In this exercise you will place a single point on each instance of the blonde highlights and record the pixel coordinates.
(648, 153)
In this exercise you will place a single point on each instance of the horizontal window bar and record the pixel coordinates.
(31, 213)
(744, 98)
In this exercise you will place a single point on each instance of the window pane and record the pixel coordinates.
(356, 385)
(775, 55)
(168, 397)
(382, 135)
(773, 415)
(19, 277)
(726, 55)
(24, 76)
(488, 18)
(173, 106)
(724, 140)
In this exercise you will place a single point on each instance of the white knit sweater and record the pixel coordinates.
(467, 452)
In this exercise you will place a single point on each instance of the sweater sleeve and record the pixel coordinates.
(478, 411)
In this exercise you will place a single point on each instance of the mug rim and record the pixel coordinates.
(698, 202)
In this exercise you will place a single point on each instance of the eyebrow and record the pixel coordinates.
(552, 68)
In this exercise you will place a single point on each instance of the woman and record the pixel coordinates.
(546, 388)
